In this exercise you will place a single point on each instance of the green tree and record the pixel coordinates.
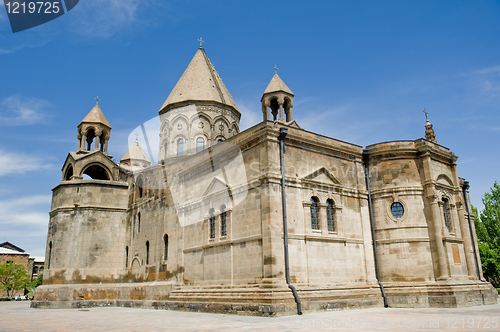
(13, 277)
(38, 281)
(488, 233)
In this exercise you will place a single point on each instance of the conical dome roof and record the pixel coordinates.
(200, 82)
(96, 116)
(135, 153)
(276, 85)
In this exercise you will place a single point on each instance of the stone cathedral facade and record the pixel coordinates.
(191, 218)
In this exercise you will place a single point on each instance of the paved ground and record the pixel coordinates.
(18, 316)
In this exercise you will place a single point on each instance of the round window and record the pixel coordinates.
(397, 209)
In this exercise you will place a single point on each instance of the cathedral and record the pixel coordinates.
(273, 220)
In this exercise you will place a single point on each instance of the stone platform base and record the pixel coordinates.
(260, 300)
(440, 294)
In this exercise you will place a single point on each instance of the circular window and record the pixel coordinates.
(397, 210)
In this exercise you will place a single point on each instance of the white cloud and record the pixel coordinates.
(18, 47)
(488, 80)
(17, 110)
(16, 163)
(104, 18)
(25, 211)
(24, 221)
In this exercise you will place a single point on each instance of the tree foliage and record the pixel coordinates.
(13, 277)
(488, 233)
(38, 281)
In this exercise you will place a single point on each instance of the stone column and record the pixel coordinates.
(437, 234)
(271, 215)
(435, 224)
(464, 226)
(79, 137)
(265, 111)
(98, 135)
(281, 101)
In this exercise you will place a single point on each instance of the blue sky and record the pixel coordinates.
(361, 71)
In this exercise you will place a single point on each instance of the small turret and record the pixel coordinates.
(135, 157)
(277, 97)
(94, 126)
(429, 131)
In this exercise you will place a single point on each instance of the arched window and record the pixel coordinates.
(447, 214)
(139, 186)
(126, 257)
(50, 255)
(165, 242)
(223, 221)
(330, 215)
(212, 224)
(96, 172)
(69, 173)
(180, 146)
(147, 252)
(138, 222)
(165, 149)
(314, 213)
(220, 139)
(90, 138)
(200, 144)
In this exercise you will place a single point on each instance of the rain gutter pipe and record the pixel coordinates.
(283, 133)
(367, 176)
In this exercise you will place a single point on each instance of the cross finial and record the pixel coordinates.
(136, 136)
(425, 111)
(201, 42)
(275, 69)
(97, 100)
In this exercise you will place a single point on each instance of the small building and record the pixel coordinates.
(12, 253)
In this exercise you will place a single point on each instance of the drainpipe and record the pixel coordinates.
(283, 133)
(367, 176)
(464, 190)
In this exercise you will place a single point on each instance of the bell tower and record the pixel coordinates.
(94, 131)
(277, 99)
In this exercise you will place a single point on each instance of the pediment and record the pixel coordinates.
(445, 180)
(215, 186)
(294, 124)
(70, 159)
(96, 156)
(324, 176)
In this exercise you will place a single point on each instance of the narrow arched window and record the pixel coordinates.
(223, 221)
(200, 144)
(330, 215)
(165, 149)
(180, 146)
(165, 242)
(126, 257)
(139, 183)
(212, 224)
(446, 213)
(50, 255)
(314, 213)
(147, 252)
(138, 222)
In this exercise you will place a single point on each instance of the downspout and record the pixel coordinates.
(370, 208)
(283, 133)
(464, 190)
